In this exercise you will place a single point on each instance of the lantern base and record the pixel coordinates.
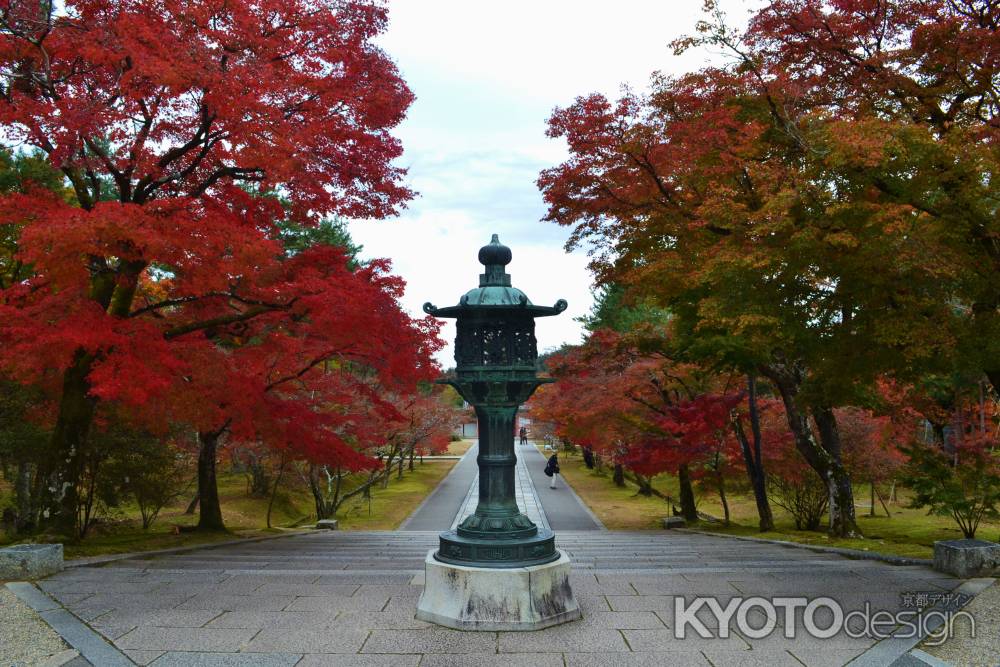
(492, 599)
(514, 549)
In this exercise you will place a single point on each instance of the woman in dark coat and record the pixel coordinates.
(552, 470)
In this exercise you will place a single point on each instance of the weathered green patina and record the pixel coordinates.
(496, 358)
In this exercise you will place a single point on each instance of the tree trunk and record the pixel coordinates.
(114, 292)
(845, 523)
(823, 458)
(322, 507)
(645, 488)
(618, 477)
(210, 513)
(689, 510)
(753, 459)
(871, 508)
(69, 440)
(193, 505)
(720, 480)
(993, 376)
(25, 501)
(274, 491)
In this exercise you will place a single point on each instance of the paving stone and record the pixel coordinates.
(802, 641)
(363, 578)
(274, 619)
(664, 640)
(142, 658)
(238, 602)
(71, 598)
(389, 591)
(649, 659)
(380, 620)
(590, 587)
(332, 590)
(133, 601)
(194, 659)
(339, 604)
(677, 586)
(641, 602)
(752, 658)
(403, 604)
(825, 658)
(592, 603)
(113, 632)
(570, 637)
(170, 618)
(193, 639)
(322, 640)
(261, 578)
(431, 640)
(326, 660)
(491, 660)
(91, 586)
(88, 613)
(622, 620)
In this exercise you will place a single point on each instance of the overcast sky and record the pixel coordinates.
(486, 77)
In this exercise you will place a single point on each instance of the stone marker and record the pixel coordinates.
(674, 522)
(327, 524)
(966, 558)
(30, 561)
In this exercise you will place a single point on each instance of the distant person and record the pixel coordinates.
(524, 435)
(552, 470)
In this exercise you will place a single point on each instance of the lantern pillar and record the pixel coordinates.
(497, 570)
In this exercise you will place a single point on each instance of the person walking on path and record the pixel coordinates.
(524, 435)
(552, 470)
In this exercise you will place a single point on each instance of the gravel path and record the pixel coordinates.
(984, 648)
(25, 639)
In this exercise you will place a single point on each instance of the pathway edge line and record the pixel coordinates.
(856, 554)
(110, 558)
(93, 647)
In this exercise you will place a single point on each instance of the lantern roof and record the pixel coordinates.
(495, 291)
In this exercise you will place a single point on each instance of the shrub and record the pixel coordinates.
(964, 486)
(805, 497)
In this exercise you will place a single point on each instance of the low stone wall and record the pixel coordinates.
(30, 561)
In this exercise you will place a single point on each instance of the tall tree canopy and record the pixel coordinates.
(822, 211)
(191, 133)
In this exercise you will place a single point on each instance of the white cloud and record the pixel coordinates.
(486, 76)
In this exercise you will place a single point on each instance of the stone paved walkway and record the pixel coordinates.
(348, 599)
(564, 509)
(438, 511)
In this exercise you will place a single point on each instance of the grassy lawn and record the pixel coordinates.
(390, 506)
(908, 532)
(458, 447)
(245, 516)
(617, 508)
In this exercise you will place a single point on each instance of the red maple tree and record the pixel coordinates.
(188, 129)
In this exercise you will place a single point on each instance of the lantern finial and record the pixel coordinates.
(494, 256)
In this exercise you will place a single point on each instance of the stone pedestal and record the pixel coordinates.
(490, 599)
(967, 558)
(30, 561)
